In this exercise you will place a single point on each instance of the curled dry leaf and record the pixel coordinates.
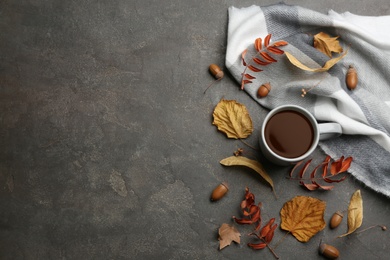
(254, 165)
(329, 64)
(303, 216)
(250, 211)
(355, 213)
(233, 119)
(327, 44)
(227, 234)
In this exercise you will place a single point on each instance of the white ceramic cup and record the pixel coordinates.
(321, 131)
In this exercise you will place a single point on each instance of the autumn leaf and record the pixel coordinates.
(329, 64)
(355, 213)
(227, 234)
(327, 44)
(254, 165)
(303, 216)
(233, 119)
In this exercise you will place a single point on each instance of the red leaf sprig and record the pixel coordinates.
(329, 171)
(250, 211)
(252, 215)
(261, 58)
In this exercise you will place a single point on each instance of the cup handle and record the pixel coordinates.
(329, 130)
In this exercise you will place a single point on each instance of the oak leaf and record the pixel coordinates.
(303, 216)
(233, 119)
(355, 213)
(254, 165)
(227, 234)
(329, 64)
(327, 44)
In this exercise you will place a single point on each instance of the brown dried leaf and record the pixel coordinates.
(254, 165)
(227, 234)
(233, 119)
(355, 213)
(327, 44)
(329, 64)
(303, 217)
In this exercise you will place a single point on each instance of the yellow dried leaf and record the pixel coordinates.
(327, 44)
(227, 234)
(329, 64)
(232, 118)
(303, 217)
(355, 213)
(254, 165)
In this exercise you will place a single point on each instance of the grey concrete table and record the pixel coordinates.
(107, 148)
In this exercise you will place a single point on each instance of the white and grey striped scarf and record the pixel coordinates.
(363, 113)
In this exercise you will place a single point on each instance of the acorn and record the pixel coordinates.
(219, 191)
(329, 251)
(336, 219)
(351, 78)
(216, 71)
(264, 90)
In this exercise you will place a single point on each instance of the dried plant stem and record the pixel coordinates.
(317, 178)
(282, 239)
(204, 92)
(384, 228)
(270, 248)
(273, 252)
(305, 91)
(254, 148)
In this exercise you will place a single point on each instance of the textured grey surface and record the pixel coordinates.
(107, 148)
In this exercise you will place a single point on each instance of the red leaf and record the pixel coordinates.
(256, 216)
(267, 57)
(323, 187)
(295, 166)
(309, 186)
(243, 57)
(303, 170)
(258, 44)
(252, 210)
(245, 81)
(280, 43)
(257, 246)
(267, 228)
(261, 62)
(346, 164)
(267, 40)
(243, 221)
(325, 170)
(275, 50)
(249, 76)
(254, 69)
(332, 180)
(270, 235)
(313, 173)
(336, 166)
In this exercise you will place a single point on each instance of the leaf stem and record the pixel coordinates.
(254, 148)
(282, 239)
(317, 178)
(204, 92)
(381, 226)
(272, 251)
